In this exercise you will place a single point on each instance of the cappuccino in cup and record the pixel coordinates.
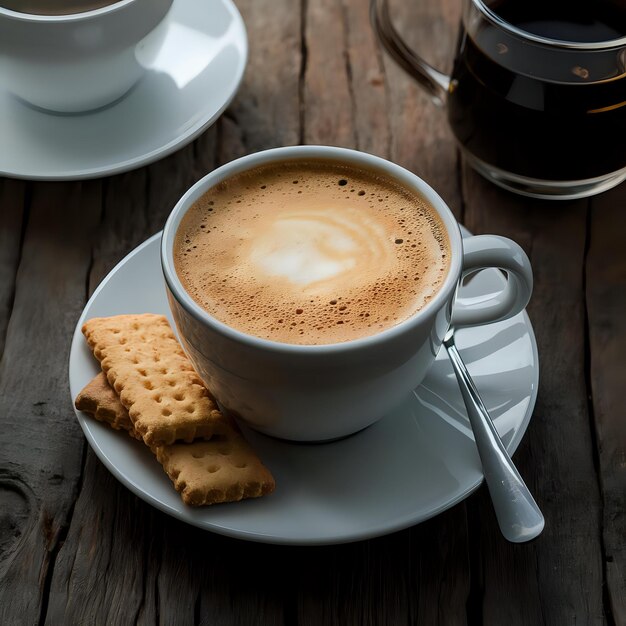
(311, 252)
(312, 286)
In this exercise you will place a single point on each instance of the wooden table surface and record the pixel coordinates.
(76, 547)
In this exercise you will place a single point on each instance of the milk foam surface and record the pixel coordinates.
(311, 252)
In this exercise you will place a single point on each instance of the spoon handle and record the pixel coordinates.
(518, 515)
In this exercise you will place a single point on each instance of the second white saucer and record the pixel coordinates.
(186, 88)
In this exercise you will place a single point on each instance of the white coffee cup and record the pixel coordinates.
(81, 61)
(323, 392)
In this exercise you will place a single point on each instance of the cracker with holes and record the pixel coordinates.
(224, 469)
(99, 399)
(155, 381)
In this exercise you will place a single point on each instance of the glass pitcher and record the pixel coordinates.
(537, 96)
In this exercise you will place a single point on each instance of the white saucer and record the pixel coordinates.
(192, 81)
(411, 465)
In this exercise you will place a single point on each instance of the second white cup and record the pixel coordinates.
(81, 61)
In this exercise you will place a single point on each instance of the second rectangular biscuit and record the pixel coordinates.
(224, 469)
(145, 364)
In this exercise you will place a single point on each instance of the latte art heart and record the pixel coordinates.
(311, 252)
(319, 248)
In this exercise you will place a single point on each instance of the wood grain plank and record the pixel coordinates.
(421, 139)
(266, 112)
(327, 103)
(558, 578)
(222, 581)
(137, 203)
(394, 579)
(439, 578)
(367, 84)
(345, 97)
(40, 443)
(99, 572)
(167, 181)
(606, 304)
(355, 584)
(12, 210)
(123, 223)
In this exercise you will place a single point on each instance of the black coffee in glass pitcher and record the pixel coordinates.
(539, 114)
(537, 96)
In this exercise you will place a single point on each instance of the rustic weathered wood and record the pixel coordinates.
(11, 219)
(605, 281)
(99, 572)
(356, 583)
(40, 445)
(439, 581)
(328, 103)
(421, 140)
(266, 114)
(369, 95)
(556, 455)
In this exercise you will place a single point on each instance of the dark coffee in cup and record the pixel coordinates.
(539, 112)
(54, 7)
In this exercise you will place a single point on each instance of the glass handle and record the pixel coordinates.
(436, 83)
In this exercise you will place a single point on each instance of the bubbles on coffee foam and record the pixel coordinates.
(295, 263)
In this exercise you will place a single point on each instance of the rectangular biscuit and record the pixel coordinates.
(223, 469)
(156, 382)
(98, 399)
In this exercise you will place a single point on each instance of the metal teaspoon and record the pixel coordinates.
(519, 517)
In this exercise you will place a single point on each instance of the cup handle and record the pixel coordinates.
(485, 251)
(436, 83)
